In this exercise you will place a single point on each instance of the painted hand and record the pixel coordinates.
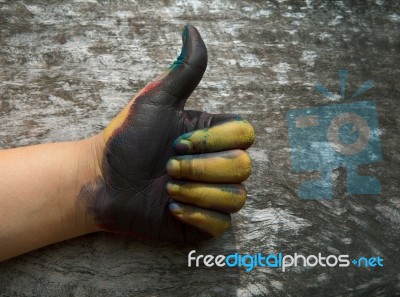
(168, 173)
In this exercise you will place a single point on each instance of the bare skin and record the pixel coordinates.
(157, 171)
(38, 189)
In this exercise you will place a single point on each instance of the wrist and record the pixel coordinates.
(85, 170)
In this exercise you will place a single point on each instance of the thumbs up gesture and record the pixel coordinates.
(167, 173)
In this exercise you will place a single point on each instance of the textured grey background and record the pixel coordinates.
(67, 67)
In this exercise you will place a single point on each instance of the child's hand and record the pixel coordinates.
(168, 173)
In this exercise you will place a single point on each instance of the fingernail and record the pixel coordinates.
(173, 168)
(175, 208)
(183, 146)
(173, 189)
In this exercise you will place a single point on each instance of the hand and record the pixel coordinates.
(154, 151)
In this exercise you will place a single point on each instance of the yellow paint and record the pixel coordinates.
(229, 135)
(206, 221)
(225, 167)
(211, 196)
(119, 120)
(116, 123)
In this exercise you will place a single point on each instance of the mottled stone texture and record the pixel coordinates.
(67, 67)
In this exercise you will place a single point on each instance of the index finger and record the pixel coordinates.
(233, 134)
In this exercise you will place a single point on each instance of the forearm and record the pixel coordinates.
(39, 186)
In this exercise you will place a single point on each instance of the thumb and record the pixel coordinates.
(182, 77)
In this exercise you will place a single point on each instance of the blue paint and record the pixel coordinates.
(181, 57)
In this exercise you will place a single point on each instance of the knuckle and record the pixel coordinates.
(195, 168)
